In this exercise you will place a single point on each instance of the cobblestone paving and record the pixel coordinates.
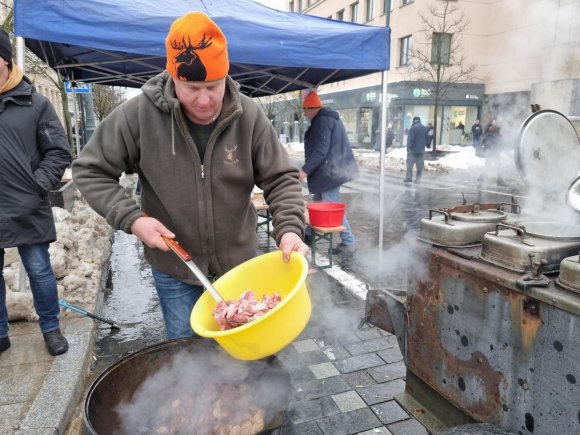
(344, 378)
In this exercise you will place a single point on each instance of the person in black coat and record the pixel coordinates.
(329, 160)
(34, 153)
(430, 134)
(492, 144)
(476, 134)
(417, 140)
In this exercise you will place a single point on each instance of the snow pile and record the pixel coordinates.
(78, 258)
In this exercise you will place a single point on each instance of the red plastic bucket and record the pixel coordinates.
(326, 214)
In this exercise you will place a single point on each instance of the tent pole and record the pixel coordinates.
(20, 63)
(384, 103)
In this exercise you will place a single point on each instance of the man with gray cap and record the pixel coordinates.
(34, 153)
(417, 139)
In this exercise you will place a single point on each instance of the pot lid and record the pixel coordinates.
(480, 216)
(547, 154)
(573, 195)
(551, 230)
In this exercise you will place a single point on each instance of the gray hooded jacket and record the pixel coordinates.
(205, 203)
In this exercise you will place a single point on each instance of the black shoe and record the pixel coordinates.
(407, 180)
(344, 249)
(417, 181)
(501, 183)
(308, 239)
(55, 342)
(4, 344)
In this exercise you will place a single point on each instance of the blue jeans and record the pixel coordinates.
(333, 195)
(177, 300)
(36, 261)
(414, 159)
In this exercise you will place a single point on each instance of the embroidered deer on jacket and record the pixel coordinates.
(230, 157)
(190, 66)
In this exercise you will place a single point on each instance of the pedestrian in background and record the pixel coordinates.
(416, 142)
(199, 147)
(34, 153)
(430, 134)
(476, 134)
(329, 161)
(492, 144)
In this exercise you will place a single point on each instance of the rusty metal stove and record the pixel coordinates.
(491, 332)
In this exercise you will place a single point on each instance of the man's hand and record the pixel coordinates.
(302, 176)
(149, 230)
(292, 242)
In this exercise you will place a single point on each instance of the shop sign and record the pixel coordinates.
(471, 97)
(370, 96)
(421, 92)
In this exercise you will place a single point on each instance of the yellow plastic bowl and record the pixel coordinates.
(277, 328)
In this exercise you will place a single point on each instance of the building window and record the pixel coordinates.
(291, 6)
(405, 50)
(340, 15)
(388, 4)
(354, 12)
(406, 2)
(370, 10)
(441, 48)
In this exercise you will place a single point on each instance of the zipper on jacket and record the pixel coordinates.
(202, 172)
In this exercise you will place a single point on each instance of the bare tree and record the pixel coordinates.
(105, 99)
(35, 66)
(440, 62)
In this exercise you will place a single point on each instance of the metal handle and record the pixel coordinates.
(182, 253)
(520, 231)
(443, 212)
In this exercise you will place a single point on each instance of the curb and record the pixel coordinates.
(52, 409)
(63, 388)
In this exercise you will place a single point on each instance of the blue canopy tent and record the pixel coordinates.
(121, 42)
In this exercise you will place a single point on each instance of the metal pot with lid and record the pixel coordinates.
(463, 225)
(547, 157)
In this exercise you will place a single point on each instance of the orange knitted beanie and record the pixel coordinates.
(196, 49)
(312, 101)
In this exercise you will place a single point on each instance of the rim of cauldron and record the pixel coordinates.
(270, 427)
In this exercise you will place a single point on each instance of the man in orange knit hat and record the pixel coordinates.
(199, 147)
(34, 153)
(329, 161)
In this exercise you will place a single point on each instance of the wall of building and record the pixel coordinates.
(523, 51)
(42, 83)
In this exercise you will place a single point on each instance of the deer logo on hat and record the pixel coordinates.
(190, 67)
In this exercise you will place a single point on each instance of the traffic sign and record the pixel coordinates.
(81, 88)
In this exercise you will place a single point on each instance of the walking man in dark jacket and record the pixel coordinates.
(34, 153)
(476, 133)
(417, 139)
(329, 160)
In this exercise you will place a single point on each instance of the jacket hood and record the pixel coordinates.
(328, 112)
(160, 90)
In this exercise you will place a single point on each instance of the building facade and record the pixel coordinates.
(519, 52)
(42, 83)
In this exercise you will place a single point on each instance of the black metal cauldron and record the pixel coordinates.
(119, 382)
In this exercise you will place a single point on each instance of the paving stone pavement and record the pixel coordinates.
(344, 377)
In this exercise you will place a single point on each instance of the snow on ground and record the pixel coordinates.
(454, 157)
(78, 258)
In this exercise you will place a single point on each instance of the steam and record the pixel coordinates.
(191, 383)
